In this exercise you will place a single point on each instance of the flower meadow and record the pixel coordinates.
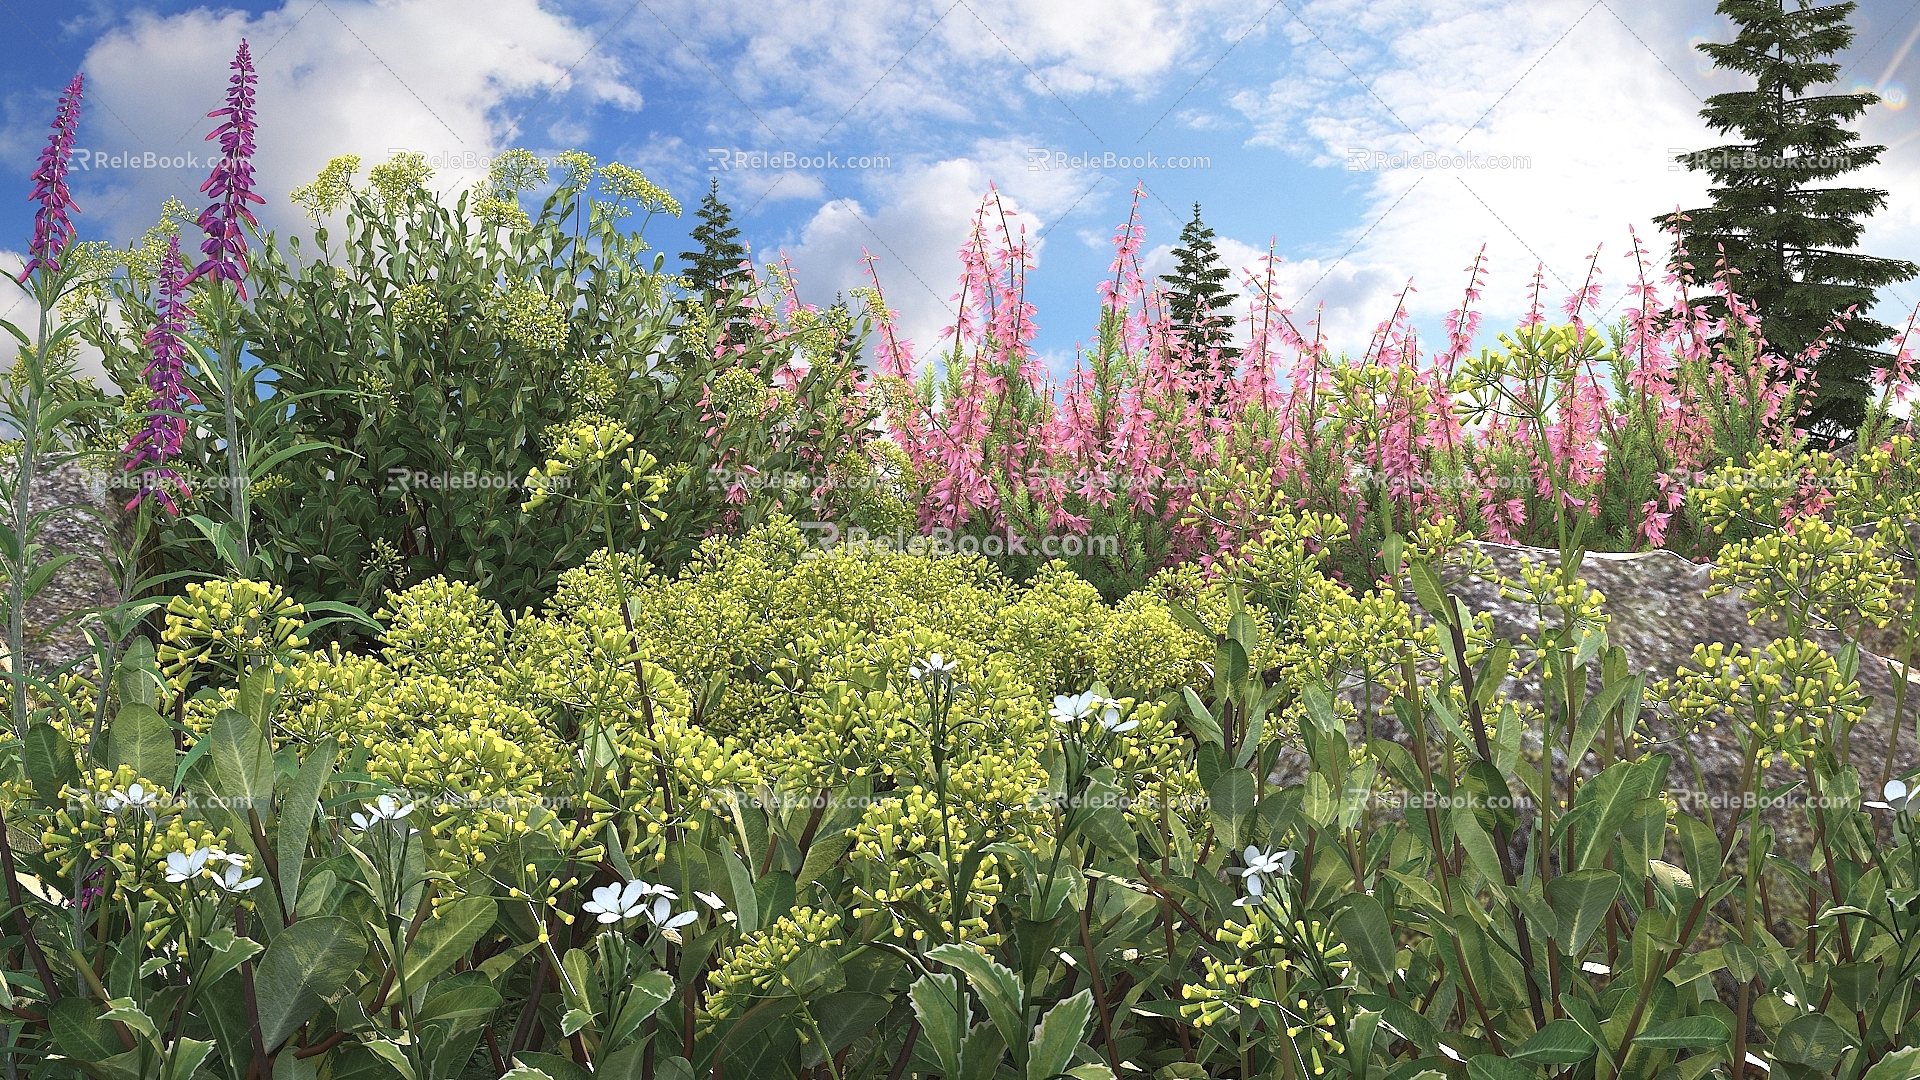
(484, 697)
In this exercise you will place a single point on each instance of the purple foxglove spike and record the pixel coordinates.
(231, 183)
(158, 442)
(52, 229)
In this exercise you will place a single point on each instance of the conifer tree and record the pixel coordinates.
(1197, 297)
(1791, 239)
(710, 269)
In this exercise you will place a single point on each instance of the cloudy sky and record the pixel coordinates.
(1281, 118)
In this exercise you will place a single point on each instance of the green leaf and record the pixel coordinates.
(445, 937)
(1686, 1033)
(1430, 591)
(1580, 901)
(1812, 1039)
(1200, 720)
(242, 759)
(297, 810)
(649, 992)
(846, 1016)
(1897, 1065)
(1561, 1042)
(937, 1005)
(463, 1002)
(308, 963)
(1480, 849)
(140, 737)
(746, 905)
(1628, 690)
(1229, 799)
(186, 1058)
(999, 989)
(1489, 1067)
(1056, 1035)
(49, 762)
(1362, 925)
(391, 1053)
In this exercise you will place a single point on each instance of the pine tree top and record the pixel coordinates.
(720, 254)
(1790, 240)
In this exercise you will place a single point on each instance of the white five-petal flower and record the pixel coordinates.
(186, 865)
(1070, 709)
(386, 808)
(933, 666)
(612, 903)
(229, 879)
(136, 797)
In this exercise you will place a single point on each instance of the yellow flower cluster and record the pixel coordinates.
(228, 621)
(1786, 697)
(759, 964)
(328, 191)
(100, 821)
(531, 319)
(418, 308)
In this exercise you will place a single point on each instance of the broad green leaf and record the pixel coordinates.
(1897, 1065)
(1813, 1039)
(1580, 901)
(140, 737)
(1200, 720)
(1686, 1033)
(999, 989)
(1057, 1034)
(446, 936)
(49, 762)
(1561, 1042)
(243, 768)
(937, 1004)
(1490, 1067)
(308, 963)
(649, 992)
(1362, 925)
(1229, 799)
(297, 810)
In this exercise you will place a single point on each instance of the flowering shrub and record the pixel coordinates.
(874, 813)
(1566, 435)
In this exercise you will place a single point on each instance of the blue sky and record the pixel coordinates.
(1255, 110)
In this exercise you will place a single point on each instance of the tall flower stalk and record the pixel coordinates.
(26, 389)
(231, 188)
(158, 441)
(35, 416)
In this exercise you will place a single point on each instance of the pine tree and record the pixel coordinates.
(709, 270)
(1197, 297)
(1791, 241)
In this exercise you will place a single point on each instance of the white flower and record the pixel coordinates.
(229, 879)
(1260, 865)
(661, 915)
(135, 797)
(1111, 720)
(186, 865)
(612, 903)
(1896, 795)
(1071, 709)
(386, 808)
(935, 666)
(216, 855)
(710, 899)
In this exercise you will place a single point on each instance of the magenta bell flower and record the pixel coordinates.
(52, 229)
(159, 441)
(231, 183)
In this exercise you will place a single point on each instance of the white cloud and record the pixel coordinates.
(921, 223)
(442, 77)
(1591, 109)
